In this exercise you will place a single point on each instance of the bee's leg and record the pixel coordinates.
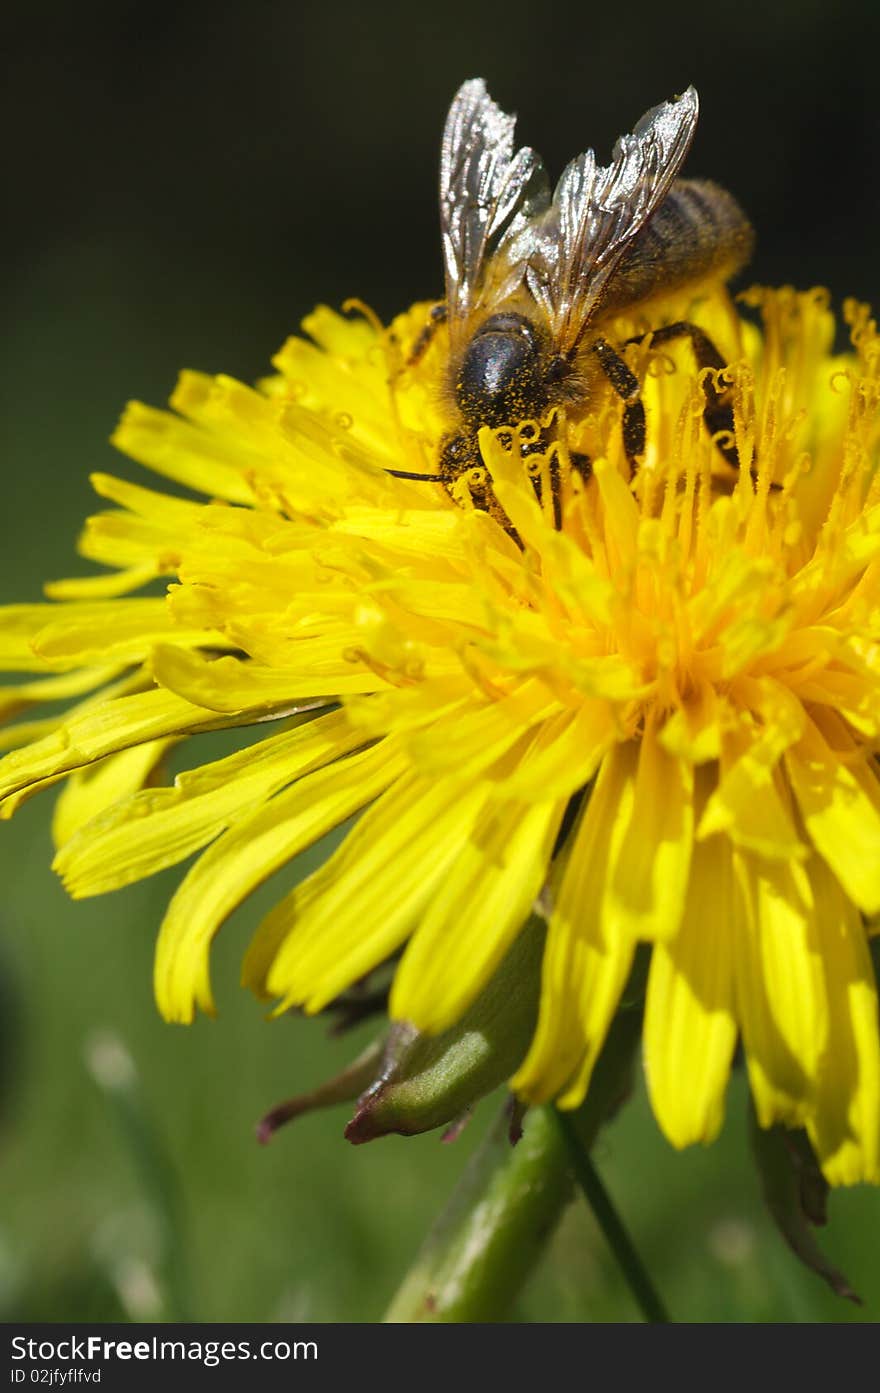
(634, 432)
(718, 411)
(627, 386)
(579, 462)
(556, 490)
(582, 463)
(438, 316)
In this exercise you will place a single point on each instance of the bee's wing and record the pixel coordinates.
(598, 210)
(489, 197)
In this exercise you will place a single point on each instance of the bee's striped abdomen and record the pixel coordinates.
(699, 232)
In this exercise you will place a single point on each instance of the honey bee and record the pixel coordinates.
(534, 281)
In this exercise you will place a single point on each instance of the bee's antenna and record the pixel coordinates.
(421, 478)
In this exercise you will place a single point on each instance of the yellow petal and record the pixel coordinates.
(50, 734)
(101, 729)
(183, 452)
(564, 754)
(845, 1128)
(647, 882)
(120, 631)
(780, 990)
(511, 490)
(693, 732)
(577, 585)
(158, 827)
(475, 913)
(690, 1027)
(173, 515)
(241, 859)
(584, 968)
(748, 804)
(482, 734)
(359, 907)
(622, 518)
(90, 791)
(20, 625)
(102, 587)
(228, 684)
(841, 808)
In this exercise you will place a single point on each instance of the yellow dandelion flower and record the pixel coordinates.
(696, 649)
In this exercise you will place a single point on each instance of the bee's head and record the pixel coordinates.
(500, 380)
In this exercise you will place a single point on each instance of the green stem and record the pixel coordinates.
(611, 1224)
(486, 1243)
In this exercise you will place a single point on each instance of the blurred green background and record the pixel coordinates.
(184, 182)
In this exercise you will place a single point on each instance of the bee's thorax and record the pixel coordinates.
(500, 380)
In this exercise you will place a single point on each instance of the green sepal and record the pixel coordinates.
(342, 1088)
(796, 1193)
(431, 1081)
